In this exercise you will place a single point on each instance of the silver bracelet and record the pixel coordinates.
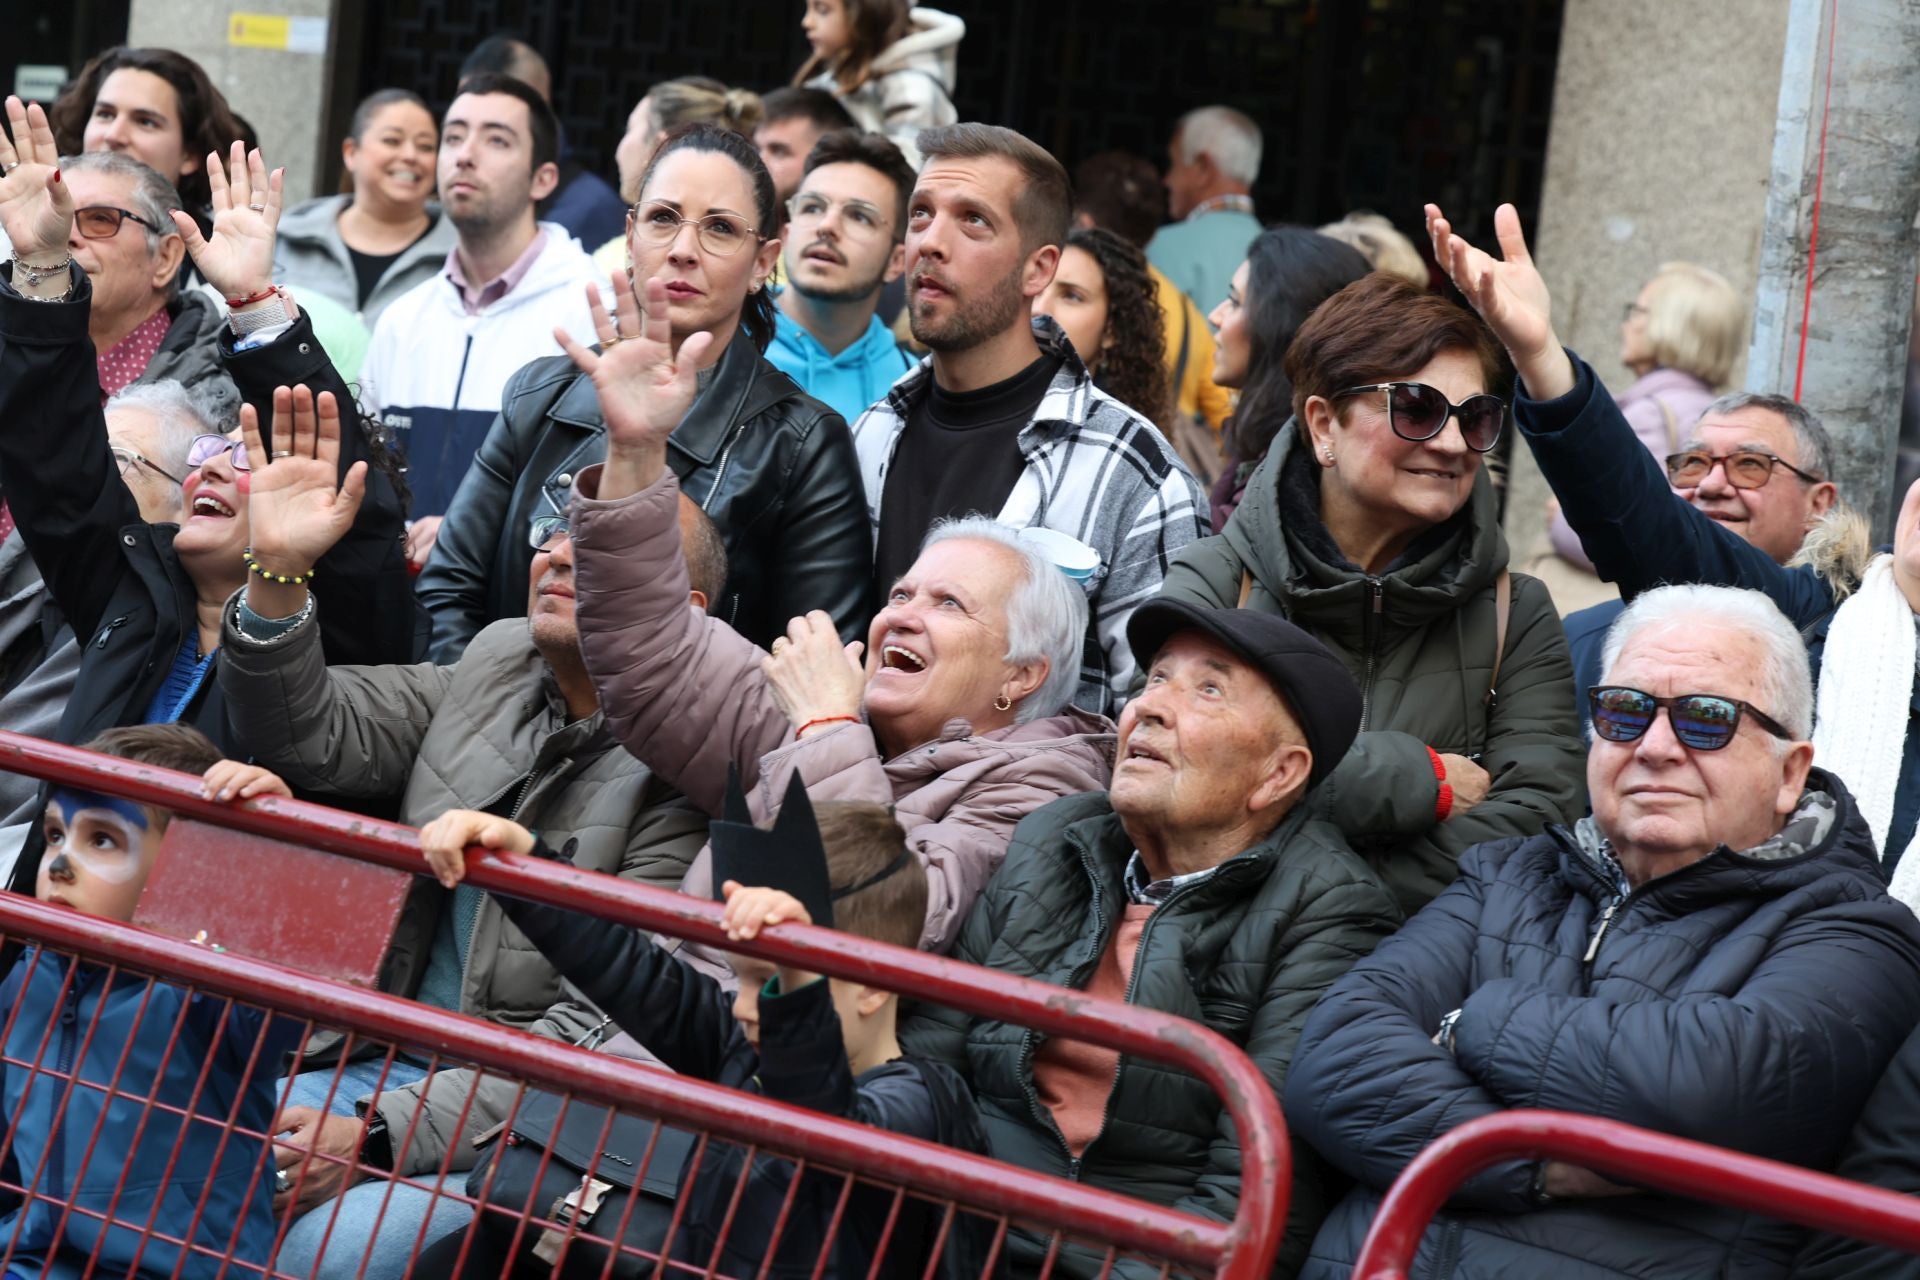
(25, 272)
(285, 626)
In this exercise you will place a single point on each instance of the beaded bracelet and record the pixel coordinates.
(285, 580)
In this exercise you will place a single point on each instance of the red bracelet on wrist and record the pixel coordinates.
(824, 720)
(1444, 804)
(262, 296)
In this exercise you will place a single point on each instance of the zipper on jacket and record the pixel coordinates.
(106, 632)
(1606, 919)
(1376, 605)
(721, 473)
(63, 1064)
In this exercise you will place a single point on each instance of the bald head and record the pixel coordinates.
(705, 552)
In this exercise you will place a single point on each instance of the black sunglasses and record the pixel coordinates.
(1419, 412)
(544, 531)
(1701, 721)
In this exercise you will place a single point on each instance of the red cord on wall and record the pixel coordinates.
(1819, 181)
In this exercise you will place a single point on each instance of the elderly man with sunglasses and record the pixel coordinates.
(1711, 954)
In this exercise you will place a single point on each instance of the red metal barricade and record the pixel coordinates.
(1631, 1155)
(1080, 1229)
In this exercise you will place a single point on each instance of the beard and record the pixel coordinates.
(971, 322)
(854, 292)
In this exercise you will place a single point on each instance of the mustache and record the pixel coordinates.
(821, 242)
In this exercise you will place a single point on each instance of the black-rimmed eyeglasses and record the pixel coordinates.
(102, 221)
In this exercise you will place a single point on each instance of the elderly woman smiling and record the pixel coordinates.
(1372, 524)
(957, 716)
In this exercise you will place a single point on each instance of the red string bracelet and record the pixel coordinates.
(1444, 804)
(824, 720)
(262, 296)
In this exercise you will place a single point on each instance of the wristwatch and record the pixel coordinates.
(376, 1149)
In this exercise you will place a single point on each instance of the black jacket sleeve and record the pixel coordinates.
(1883, 1152)
(367, 610)
(60, 482)
(823, 557)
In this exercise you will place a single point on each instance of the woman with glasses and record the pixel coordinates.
(773, 468)
(146, 600)
(1373, 524)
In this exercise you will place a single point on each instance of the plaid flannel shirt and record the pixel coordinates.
(1097, 471)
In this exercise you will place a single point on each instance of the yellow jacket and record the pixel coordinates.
(1193, 386)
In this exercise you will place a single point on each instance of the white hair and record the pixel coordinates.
(178, 414)
(1786, 679)
(1046, 614)
(1230, 137)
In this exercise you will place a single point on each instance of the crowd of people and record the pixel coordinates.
(846, 514)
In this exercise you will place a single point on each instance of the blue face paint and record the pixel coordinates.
(84, 817)
(71, 802)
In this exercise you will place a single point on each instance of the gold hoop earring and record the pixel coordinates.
(1003, 703)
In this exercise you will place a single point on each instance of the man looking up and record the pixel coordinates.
(1004, 419)
(1212, 160)
(441, 353)
(844, 231)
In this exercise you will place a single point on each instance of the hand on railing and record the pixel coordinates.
(445, 841)
(233, 780)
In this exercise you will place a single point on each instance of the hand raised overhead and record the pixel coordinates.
(297, 505)
(645, 386)
(36, 209)
(1510, 295)
(238, 259)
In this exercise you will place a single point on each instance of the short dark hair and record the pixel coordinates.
(165, 746)
(1123, 194)
(876, 152)
(815, 106)
(502, 54)
(1044, 205)
(376, 102)
(1381, 327)
(862, 840)
(704, 551)
(542, 126)
(756, 315)
(207, 123)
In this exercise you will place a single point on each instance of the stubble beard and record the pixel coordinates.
(971, 323)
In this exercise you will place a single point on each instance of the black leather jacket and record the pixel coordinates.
(773, 467)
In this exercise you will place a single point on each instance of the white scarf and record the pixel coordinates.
(1866, 688)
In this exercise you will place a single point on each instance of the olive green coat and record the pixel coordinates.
(1420, 641)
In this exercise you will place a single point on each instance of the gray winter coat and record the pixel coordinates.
(463, 737)
(310, 256)
(190, 355)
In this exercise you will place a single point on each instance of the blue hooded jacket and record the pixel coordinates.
(848, 383)
(211, 1059)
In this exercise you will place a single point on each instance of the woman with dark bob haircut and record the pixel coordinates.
(157, 106)
(774, 468)
(1372, 524)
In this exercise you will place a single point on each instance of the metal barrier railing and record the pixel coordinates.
(1241, 1249)
(1631, 1155)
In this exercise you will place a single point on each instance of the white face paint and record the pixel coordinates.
(99, 849)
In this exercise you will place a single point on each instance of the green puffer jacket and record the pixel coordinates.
(1419, 639)
(1247, 951)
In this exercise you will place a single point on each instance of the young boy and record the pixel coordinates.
(828, 1045)
(132, 1167)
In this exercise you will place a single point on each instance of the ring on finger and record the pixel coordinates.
(258, 208)
(277, 454)
(608, 344)
(778, 642)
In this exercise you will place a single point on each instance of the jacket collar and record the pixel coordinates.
(738, 392)
(1063, 409)
(1112, 848)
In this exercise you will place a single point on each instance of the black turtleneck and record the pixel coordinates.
(958, 454)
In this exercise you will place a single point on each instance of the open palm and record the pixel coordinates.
(645, 389)
(1508, 291)
(35, 211)
(297, 506)
(238, 258)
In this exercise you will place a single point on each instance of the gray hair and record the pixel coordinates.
(181, 416)
(1816, 446)
(1046, 614)
(153, 198)
(1786, 679)
(1230, 137)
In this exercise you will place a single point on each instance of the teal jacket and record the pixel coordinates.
(848, 383)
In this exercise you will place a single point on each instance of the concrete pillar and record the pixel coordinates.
(1863, 255)
(1662, 125)
(272, 58)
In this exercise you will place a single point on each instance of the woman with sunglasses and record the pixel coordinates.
(773, 468)
(1373, 524)
(146, 600)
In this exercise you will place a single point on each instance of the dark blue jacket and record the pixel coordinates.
(686, 1019)
(1641, 535)
(221, 1183)
(1746, 1001)
(1586, 637)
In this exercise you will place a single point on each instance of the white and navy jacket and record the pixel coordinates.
(1096, 471)
(434, 374)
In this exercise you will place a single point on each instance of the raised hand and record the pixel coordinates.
(645, 388)
(814, 678)
(1510, 295)
(36, 209)
(238, 259)
(297, 505)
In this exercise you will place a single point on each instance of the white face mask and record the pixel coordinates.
(115, 832)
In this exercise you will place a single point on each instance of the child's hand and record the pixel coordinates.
(750, 910)
(445, 841)
(232, 780)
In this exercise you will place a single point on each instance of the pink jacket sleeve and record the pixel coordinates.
(682, 691)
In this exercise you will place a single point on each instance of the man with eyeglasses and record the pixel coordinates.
(441, 354)
(514, 727)
(846, 227)
(144, 329)
(1712, 954)
(1756, 465)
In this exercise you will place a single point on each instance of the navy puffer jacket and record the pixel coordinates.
(1749, 1000)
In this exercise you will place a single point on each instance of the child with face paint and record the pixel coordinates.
(188, 1052)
